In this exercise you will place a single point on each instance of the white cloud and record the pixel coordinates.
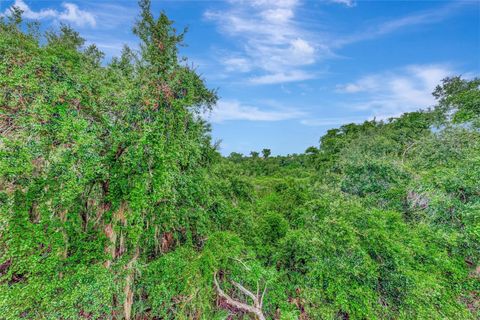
(29, 14)
(415, 19)
(348, 3)
(278, 15)
(302, 48)
(227, 110)
(390, 94)
(71, 14)
(76, 16)
(237, 64)
(386, 94)
(275, 47)
(281, 77)
(271, 41)
(367, 83)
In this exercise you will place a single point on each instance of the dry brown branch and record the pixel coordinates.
(257, 301)
(128, 289)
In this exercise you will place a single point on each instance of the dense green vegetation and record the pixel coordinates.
(115, 204)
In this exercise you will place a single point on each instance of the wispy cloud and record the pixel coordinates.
(390, 94)
(271, 41)
(348, 3)
(367, 83)
(236, 64)
(282, 77)
(387, 27)
(227, 110)
(30, 14)
(273, 47)
(71, 13)
(112, 16)
(76, 16)
(385, 95)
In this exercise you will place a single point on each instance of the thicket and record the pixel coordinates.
(115, 204)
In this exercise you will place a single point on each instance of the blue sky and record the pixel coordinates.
(288, 70)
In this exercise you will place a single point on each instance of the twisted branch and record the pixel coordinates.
(256, 309)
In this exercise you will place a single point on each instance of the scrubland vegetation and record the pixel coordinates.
(115, 203)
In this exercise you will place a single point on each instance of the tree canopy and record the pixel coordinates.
(115, 203)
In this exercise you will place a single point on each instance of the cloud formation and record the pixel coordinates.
(270, 40)
(274, 48)
(348, 3)
(282, 77)
(390, 94)
(386, 94)
(71, 13)
(227, 110)
(393, 25)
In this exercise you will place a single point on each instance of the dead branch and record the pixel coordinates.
(257, 301)
(128, 289)
(263, 295)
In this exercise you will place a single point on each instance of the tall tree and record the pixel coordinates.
(266, 153)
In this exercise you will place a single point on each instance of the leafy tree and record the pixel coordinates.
(460, 99)
(266, 153)
(235, 156)
(311, 150)
(107, 155)
(254, 154)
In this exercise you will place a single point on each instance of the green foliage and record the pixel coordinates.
(460, 99)
(114, 203)
(266, 153)
(95, 163)
(368, 176)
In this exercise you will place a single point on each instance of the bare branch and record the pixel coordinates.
(263, 295)
(246, 292)
(237, 304)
